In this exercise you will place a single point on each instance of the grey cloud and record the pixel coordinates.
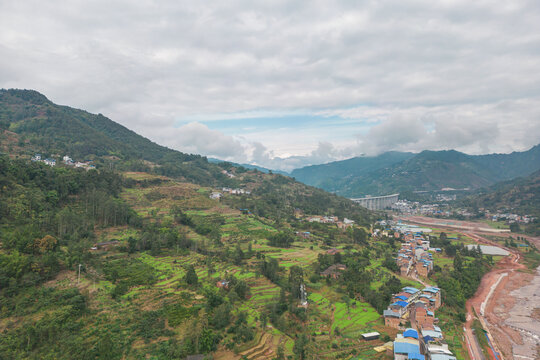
(147, 62)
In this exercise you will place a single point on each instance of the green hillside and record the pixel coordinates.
(30, 123)
(520, 196)
(333, 176)
(429, 170)
(135, 260)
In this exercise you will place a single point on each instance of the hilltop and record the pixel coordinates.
(429, 170)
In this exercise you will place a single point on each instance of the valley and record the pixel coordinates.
(146, 252)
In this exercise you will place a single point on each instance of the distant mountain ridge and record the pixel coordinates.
(250, 167)
(393, 172)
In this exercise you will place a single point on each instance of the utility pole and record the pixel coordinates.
(79, 278)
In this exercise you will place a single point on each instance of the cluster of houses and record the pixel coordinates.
(414, 256)
(216, 195)
(47, 161)
(87, 165)
(415, 208)
(510, 218)
(424, 338)
(346, 223)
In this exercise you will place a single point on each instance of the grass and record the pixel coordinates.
(480, 334)
(353, 319)
(495, 224)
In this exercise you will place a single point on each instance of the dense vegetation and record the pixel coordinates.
(51, 217)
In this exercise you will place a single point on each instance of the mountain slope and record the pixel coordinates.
(329, 176)
(30, 123)
(428, 170)
(521, 196)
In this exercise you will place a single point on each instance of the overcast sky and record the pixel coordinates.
(288, 83)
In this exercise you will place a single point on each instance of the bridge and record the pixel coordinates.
(377, 202)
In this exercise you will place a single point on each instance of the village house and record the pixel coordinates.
(228, 174)
(332, 251)
(222, 284)
(392, 318)
(50, 162)
(67, 160)
(334, 271)
(215, 195)
(422, 317)
(106, 245)
(435, 294)
(407, 346)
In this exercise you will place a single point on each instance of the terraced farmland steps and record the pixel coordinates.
(260, 351)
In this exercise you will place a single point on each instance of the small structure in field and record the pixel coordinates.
(371, 335)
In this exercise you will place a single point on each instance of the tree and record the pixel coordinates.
(281, 239)
(263, 318)
(238, 255)
(360, 236)
(270, 269)
(458, 263)
(514, 227)
(299, 348)
(222, 316)
(45, 244)
(191, 276)
(280, 354)
(337, 258)
(296, 277)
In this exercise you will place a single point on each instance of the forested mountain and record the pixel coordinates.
(332, 176)
(519, 196)
(30, 123)
(429, 170)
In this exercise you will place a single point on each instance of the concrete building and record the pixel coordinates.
(377, 202)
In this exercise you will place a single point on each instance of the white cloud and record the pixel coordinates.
(423, 74)
(197, 138)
